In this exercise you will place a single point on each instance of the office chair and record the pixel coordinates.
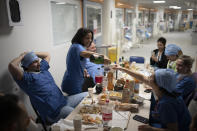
(137, 59)
(39, 119)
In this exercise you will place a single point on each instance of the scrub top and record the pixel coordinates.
(74, 75)
(185, 86)
(43, 92)
(173, 110)
(172, 65)
(93, 69)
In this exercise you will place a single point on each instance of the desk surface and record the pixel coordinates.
(133, 125)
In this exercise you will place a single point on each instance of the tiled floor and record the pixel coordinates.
(182, 39)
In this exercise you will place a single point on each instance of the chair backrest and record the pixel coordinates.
(40, 119)
(137, 59)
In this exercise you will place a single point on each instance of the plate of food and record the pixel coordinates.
(127, 107)
(87, 101)
(91, 119)
(102, 99)
(115, 95)
(119, 84)
(137, 99)
(87, 109)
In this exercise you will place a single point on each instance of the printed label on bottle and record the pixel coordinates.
(107, 116)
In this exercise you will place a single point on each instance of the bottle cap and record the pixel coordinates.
(136, 80)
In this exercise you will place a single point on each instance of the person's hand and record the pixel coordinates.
(107, 60)
(144, 128)
(154, 58)
(86, 73)
(23, 54)
(117, 67)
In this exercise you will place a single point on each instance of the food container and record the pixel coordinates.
(116, 129)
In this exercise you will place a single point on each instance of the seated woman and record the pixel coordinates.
(185, 81)
(170, 110)
(172, 52)
(158, 58)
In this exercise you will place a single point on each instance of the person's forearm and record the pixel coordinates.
(16, 61)
(14, 68)
(42, 55)
(137, 75)
(87, 54)
(159, 129)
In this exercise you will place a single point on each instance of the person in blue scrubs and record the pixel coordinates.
(170, 111)
(92, 68)
(37, 82)
(185, 81)
(76, 60)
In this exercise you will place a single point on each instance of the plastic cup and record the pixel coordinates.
(77, 122)
(90, 92)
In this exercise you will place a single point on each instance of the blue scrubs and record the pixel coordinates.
(173, 110)
(185, 86)
(44, 94)
(93, 69)
(74, 75)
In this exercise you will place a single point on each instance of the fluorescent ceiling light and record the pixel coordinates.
(177, 8)
(159, 1)
(61, 3)
(120, 4)
(174, 7)
(189, 9)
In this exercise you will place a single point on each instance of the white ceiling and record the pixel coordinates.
(184, 4)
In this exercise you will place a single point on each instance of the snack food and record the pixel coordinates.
(127, 107)
(103, 97)
(120, 81)
(137, 100)
(87, 119)
(115, 95)
(90, 110)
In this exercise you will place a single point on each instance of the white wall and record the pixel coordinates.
(36, 35)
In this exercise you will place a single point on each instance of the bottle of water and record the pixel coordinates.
(107, 114)
(105, 81)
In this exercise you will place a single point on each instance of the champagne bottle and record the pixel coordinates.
(97, 59)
